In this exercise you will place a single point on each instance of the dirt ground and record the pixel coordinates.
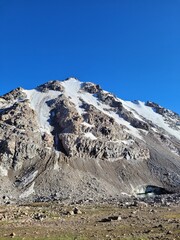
(89, 221)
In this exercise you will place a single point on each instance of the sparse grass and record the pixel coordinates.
(137, 238)
(65, 237)
(140, 225)
(172, 215)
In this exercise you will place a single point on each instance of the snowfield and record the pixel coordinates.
(73, 91)
(39, 102)
(148, 113)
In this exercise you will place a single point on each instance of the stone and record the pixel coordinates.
(77, 211)
(111, 218)
(71, 212)
(115, 218)
(12, 234)
(39, 216)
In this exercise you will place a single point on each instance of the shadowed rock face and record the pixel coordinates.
(76, 141)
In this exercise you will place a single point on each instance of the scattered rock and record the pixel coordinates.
(12, 234)
(39, 216)
(77, 211)
(111, 218)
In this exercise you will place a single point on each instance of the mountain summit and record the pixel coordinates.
(73, 140)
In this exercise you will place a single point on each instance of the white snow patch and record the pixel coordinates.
(28, 192)
(87, 124)
(3, 171)
(130, 129)
(71, 89)
(90, 135)
(104, 91)
(148, 113)
(155, 130)
(175, 151)
(125, 194)
(56, 166)
(38, 102)
(128, 106)
(128, 142)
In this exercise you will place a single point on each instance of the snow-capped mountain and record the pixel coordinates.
(75, 140)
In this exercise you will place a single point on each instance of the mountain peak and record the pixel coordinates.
(73, 79)
(73, 133)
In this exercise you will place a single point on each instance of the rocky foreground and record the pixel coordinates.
(149, 218)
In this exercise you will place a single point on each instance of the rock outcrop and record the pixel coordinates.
(74, 140)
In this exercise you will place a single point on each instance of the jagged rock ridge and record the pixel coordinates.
(75, 140)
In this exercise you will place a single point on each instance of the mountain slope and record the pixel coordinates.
(75, 140)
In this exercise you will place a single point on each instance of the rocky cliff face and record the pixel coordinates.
(73, 140)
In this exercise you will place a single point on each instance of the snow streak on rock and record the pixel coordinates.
(74, 92)
(39, 102)
(148, 113)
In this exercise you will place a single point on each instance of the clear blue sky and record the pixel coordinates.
(129, 47)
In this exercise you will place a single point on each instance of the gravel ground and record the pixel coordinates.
(128, 219)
